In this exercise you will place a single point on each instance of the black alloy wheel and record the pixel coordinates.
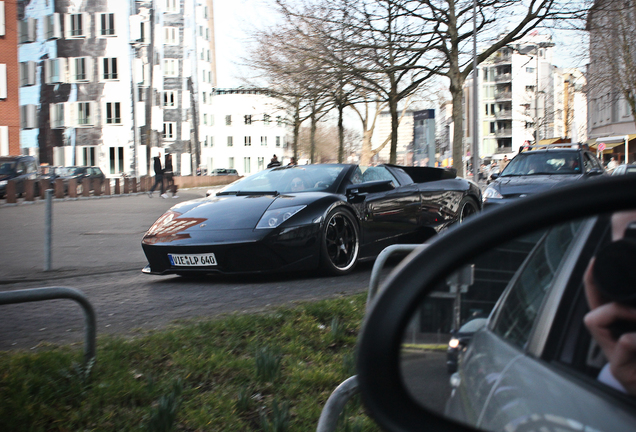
(467, 207)
(340, 245)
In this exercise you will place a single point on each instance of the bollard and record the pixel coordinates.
(29, 190)
(48, 230)
(97, 187)
(126, 185)
(10, 192)
(107, 187)
(44, 185)
(72, 188)
(134, 184)
(59, 188)
(86, 187)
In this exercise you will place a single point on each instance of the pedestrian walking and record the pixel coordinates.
(168, 173)
(274, 162)
(158, 177)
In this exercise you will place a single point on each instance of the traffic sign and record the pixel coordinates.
(601, 146)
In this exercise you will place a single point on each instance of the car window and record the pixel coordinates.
(365, 174)
(516, 314)
(547, 162)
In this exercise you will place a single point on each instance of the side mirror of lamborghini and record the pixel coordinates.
(486, 328)
(369, 187)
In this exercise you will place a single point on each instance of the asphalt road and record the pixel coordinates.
(96, 249)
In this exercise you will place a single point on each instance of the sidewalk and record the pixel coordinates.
(90, 235)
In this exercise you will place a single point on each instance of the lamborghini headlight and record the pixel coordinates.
(273, 218)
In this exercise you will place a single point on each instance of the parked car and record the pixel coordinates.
(624, 169)
(534, 365)
(223, 171)
(303, 217)
(18, 169)
(459, 341)
(79, 173)
(539, 169)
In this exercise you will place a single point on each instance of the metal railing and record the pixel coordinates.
(54, 293)
(348, 388)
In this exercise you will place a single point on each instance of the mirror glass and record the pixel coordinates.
(503, 342)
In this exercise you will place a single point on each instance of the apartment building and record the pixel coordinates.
(524, 99)
(9, 102)
(243, 129)
(112, 84)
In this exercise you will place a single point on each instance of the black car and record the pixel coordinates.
(79, 173)
(540, 169)
(303, 217)
(18, 169)
(223, 172)
(459, 341)
(556, 353)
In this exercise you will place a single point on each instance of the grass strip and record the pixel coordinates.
(266, 372)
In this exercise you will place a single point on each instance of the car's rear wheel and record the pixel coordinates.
(340, 242)
(467, 207)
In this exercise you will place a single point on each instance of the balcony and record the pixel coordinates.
(502, 150)
(507, 77)
(503, 114)
(503, 133)
(503, 96)
(503, 58)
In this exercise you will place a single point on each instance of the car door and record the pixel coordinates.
(388, 216)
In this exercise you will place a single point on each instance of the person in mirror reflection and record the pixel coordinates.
(620, 351)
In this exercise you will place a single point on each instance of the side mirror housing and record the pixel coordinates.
(369, 187)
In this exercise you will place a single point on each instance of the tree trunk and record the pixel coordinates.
(312, 137)
(395, 124)
(340, 134)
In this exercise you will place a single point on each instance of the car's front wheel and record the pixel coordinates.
(467, 207)
(340, 242)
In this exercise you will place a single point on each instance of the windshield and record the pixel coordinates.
(7, 167)
(539, 163)
(292, 179)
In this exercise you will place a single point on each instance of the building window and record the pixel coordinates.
(116, 155)
(207, 33)
(247, 165)
(171, 35)
(248, 141)
(211, 119)
(107, 24)
(27, 73)
(230, 163)
(28, 116)
(204, 96)
(109, 68)
(230, 141)
(530, 89)
(172, 6)
(52, 29)
(3, 81)
(3, 31)
(279, 121)
(169, 99)
(79, 69)
(228, 120)
(261, 163)
(77, 25)
(205, 119)
(171, 67)
(211, 141)
(113, 113)
(277, 141)
(530, 69)
(27, 30)
(169, 130)
(248, 119)
(57, 115)
(84, 114)
(266, 119)
(54, 70)
(264, 141)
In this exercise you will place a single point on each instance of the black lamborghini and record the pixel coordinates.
(307, 217)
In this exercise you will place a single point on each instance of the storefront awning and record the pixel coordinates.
(548, 141)
(611, 142)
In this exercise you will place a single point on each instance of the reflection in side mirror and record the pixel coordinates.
(480, 347)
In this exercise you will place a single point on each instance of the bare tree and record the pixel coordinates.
(612, 68)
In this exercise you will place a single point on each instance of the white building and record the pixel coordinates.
(525, 99)
(243, 129)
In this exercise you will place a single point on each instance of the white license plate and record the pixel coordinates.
(192, 260)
